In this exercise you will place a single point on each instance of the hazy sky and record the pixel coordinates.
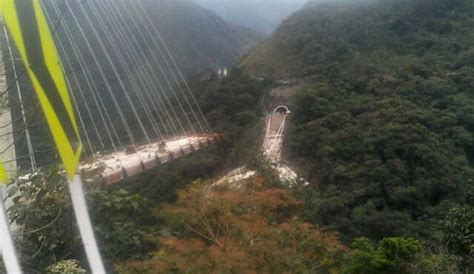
(254, 1)
(260, 15)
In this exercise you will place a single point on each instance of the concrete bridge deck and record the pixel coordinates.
(120, 165)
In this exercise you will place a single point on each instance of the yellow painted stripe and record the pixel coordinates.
(53, 61)
(3, 175)
(70, 153)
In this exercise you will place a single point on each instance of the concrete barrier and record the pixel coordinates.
(150, 162)
(163, 157)
(133, 169)
(113, 176)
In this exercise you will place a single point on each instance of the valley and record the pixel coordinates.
(345, 140)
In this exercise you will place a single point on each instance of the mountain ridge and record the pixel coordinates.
(382, 127)
(260, 15)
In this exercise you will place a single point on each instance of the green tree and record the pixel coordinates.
(458, 231)
(248, 231)
(42, 211)
(390, 255)
(47, 233)
(123, 224)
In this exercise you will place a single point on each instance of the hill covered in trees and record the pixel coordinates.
(383, 125)
(382, 129)
(199, 38)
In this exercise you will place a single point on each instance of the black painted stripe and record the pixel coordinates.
(37, 63)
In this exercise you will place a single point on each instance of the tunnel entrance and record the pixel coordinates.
(281, 109)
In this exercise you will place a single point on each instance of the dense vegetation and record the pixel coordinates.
(208, 229)
(197, 38)
(123, 215)
(200, 39)
(233, 107)
(383, 127)
(225, 231)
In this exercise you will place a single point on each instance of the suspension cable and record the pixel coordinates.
(20, 98)
(99, 103)
(144, 16)
(121, 57)
(102, 73)
(154, 58)
(114, 69)
(134, 55)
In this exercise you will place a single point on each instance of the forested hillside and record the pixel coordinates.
(125, 215)
(383, 127)
(198, 39)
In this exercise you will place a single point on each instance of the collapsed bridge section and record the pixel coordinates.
(120, 165)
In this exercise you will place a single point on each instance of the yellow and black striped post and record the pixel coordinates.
(27, 24)
(30, 31)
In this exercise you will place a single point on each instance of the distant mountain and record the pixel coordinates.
(383, 125)
(198, 37)
(326, 31)
(261, 15)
